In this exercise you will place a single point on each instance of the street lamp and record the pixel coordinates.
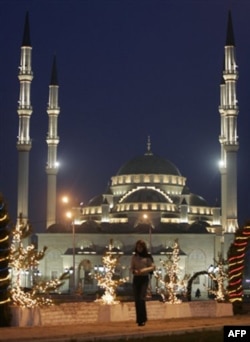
(70, 216)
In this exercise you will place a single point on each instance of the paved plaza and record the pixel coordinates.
(116, 331)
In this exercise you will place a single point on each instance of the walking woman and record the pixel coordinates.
(141, 265)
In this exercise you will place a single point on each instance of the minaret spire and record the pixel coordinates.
(149, 152)
(230, 31)
(54, 73)
(53, 111)
(228, 137)
(24, 111)
(26, 32)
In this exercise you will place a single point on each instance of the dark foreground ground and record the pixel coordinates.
(203, 336)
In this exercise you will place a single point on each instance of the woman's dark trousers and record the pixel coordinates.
(140, 286)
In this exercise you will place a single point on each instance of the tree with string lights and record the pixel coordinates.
(107, 280)
(219, 277)
(25, 258)
(172, 282)
(4, 269)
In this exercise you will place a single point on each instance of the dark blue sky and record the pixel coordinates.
(126, 70)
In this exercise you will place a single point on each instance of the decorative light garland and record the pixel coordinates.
(171, 283)
(27, 258)
(4, 269)
(236, 260)
(106, 279)
(219, 277)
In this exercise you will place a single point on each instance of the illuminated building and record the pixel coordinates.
(148, 198)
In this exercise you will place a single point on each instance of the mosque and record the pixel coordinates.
(146, 199)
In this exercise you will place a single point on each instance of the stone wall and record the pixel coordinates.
(82, 312)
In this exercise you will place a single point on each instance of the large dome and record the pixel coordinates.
(149, 164)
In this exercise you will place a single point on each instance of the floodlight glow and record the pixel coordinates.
(69, 214)
(221, 163)
(65, 199)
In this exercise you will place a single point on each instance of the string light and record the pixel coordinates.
(24, 260)
(236, 259)
(171, 283)
(106, 280)
(4, 270)
(219, 276)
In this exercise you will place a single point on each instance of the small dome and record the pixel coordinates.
(148, 164)
(145, 196)
(199, 227)
(96, 201)
(197, 201)
(59, 228)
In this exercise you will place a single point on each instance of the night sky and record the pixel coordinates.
(126, 70)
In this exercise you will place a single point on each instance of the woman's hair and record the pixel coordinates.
(144, 251)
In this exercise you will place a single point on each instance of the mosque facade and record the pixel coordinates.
(147, 199)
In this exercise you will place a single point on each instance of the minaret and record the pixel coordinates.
(52, 140)
(228, 137)
(24, 111)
